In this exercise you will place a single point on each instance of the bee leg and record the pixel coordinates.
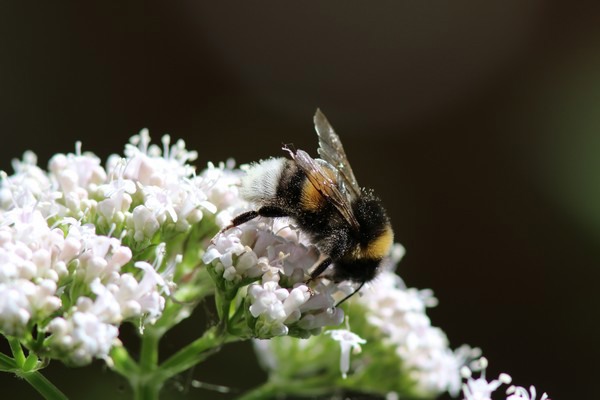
(272, 212)
(240, 219)
(266, 211)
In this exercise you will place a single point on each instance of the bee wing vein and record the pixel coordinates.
(326, 186)
(332, 151)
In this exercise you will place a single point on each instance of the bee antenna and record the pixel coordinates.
(289, 147)
(351, 294)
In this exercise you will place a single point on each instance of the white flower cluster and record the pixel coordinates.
(399, 313)
(172, 195)
(38, 262)
(222, 184)
(276, 267)
(482, 389)
(33, 258)
(269, 256)
(64, 267)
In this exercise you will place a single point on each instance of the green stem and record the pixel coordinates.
(142, 377)
(22, 367)
(7, 364)
(149, 351)
(17, 351)
(123, 364)
(43, 385)
(195, 352)
(271, 390)
(31, 362)
(265, 391)
(145, 383)
(147, 388)
(148, 380)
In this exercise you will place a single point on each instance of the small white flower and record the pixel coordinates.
(160, 201)
(101, 256)
(221, 184)
(76, 177)
(480, 388)
(81, 337)
(520, 393)
(276, 306)
(117, 194)
(148, 292)
(33, 259)
(151, 166)
(77, 171)
(188, 201)
(268, 299)
(28, 186)
(22, 300)
(144, 223)
(105, 306)
(348, 342)
(293, 303)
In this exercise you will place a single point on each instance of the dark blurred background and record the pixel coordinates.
(478, 124)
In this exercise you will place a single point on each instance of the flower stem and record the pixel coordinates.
(123, 364)
(147, 377)
(271, 390)
(43, 385)
(23, 367)
(149, 351)
(145, 383)
(17, 351)
(308, 387)
(7, 364)
(147, 388)
(195, 352)
(265, 391)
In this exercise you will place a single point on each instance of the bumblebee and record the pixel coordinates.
(348, 224)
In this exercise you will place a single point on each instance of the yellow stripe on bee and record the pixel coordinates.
(380, 247)
(311, 199)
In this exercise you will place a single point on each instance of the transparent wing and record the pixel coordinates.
(319, 176)
(332, 151)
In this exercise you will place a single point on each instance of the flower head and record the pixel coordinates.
(481, 389)
(520, 393)
(399, 314)
(275, 268)
(265, 261)
(69, 235)
(81, 336)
